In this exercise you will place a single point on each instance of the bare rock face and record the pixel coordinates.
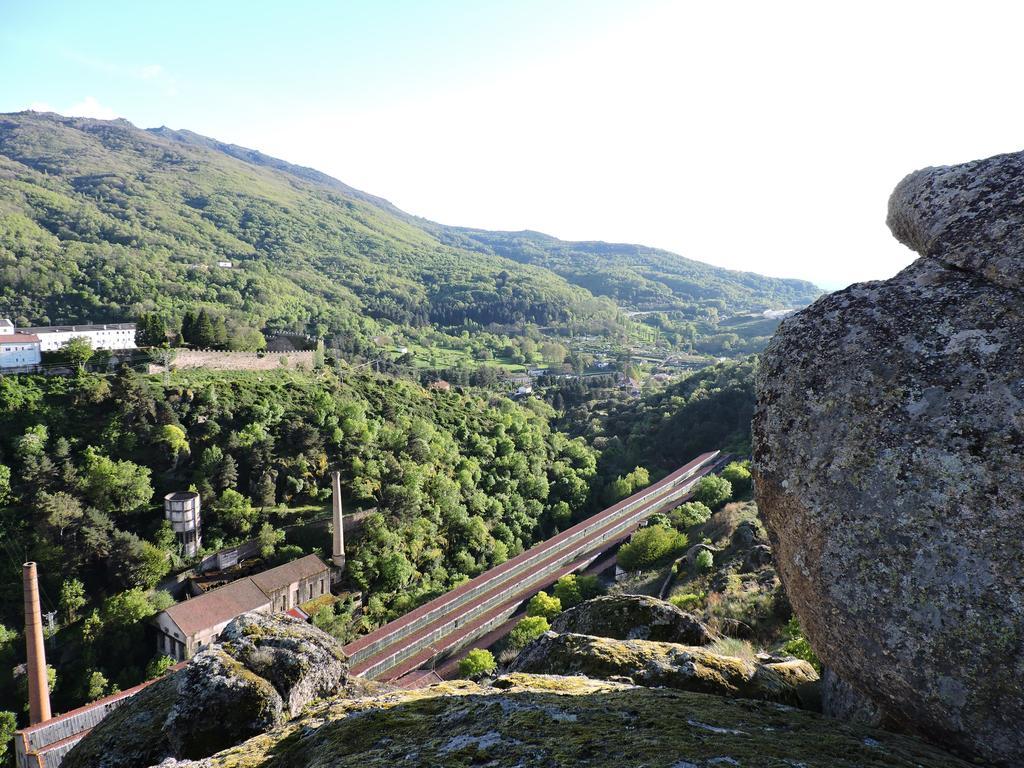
(889, 444)
(629, 617)
(266, 669)
(667, 665)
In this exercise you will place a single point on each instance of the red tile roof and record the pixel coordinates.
(15, 338)
(247, 594)
(217, 606)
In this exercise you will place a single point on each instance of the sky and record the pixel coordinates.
(751, 135)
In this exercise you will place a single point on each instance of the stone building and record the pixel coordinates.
(188, 627)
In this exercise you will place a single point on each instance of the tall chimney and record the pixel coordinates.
(338, 553)
(38, 683)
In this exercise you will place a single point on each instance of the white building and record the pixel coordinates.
(182, 509)
(6, 327)
(18, 350)
(115, 336)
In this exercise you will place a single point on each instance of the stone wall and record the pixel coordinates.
(217, 360)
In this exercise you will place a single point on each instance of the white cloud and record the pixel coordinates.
(151, 72)
(87, 107)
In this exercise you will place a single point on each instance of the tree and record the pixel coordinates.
(8, 725)
(98, 686)
(158, 666)
(174, 439)
(135, 562)
(5, 484)
(476, 663)
(235, 514)
(650, 546)
(152, 330)
(712, 491)
(115, 486)
(60, 510)
(543, 604)
(269, 537)
(72, 599)
(738, 475)
(78, 351)
(526, 630)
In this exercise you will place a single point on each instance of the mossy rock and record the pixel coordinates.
(633, 617)
(665, 664)
(533, 721)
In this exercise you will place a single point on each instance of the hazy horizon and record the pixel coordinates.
(765, 139)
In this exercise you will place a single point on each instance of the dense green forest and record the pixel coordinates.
(710, 409)
(459, 482)
(101, 221)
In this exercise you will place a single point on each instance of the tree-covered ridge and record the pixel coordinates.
(639, 277)
(458, 482)
(102, 221)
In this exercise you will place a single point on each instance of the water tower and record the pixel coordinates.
(182, 509)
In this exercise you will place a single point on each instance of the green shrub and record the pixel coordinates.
(543, 604)
(476, 663)
(705, 560)
(572, 589)
(526, 630)
(798, 646)
(688, 601)
(650, 546)
(738, 475)
(712, 491)
(689, 514)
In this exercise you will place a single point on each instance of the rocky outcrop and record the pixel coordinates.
(265, 669)
(668, 665)
(633, 617)
(532, 721)
(888, 441)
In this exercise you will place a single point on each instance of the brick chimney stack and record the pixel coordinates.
(38, 683)
(338, 552)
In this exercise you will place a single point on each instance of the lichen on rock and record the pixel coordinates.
(629, 617)
(888, 439)
(531, 721)
(670, 665)
(266, 669)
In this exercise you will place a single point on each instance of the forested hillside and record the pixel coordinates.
(459, 483)
(101, 221)
(665, 427)
(637, 276)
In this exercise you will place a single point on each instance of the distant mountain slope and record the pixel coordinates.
(100, 220)
(635, 275)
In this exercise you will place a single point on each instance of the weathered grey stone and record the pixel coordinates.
(266, 669)
(219, 703)
(547, 721)
(842, 701)
(670, 665)
(888, 444)
(628, 617)
(302, 662)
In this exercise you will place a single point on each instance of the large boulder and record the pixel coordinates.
(266, 669)
(629, 617)
(537, 721)
(668, 665)
(888, 444)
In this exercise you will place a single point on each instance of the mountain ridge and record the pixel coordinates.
(100, 219)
